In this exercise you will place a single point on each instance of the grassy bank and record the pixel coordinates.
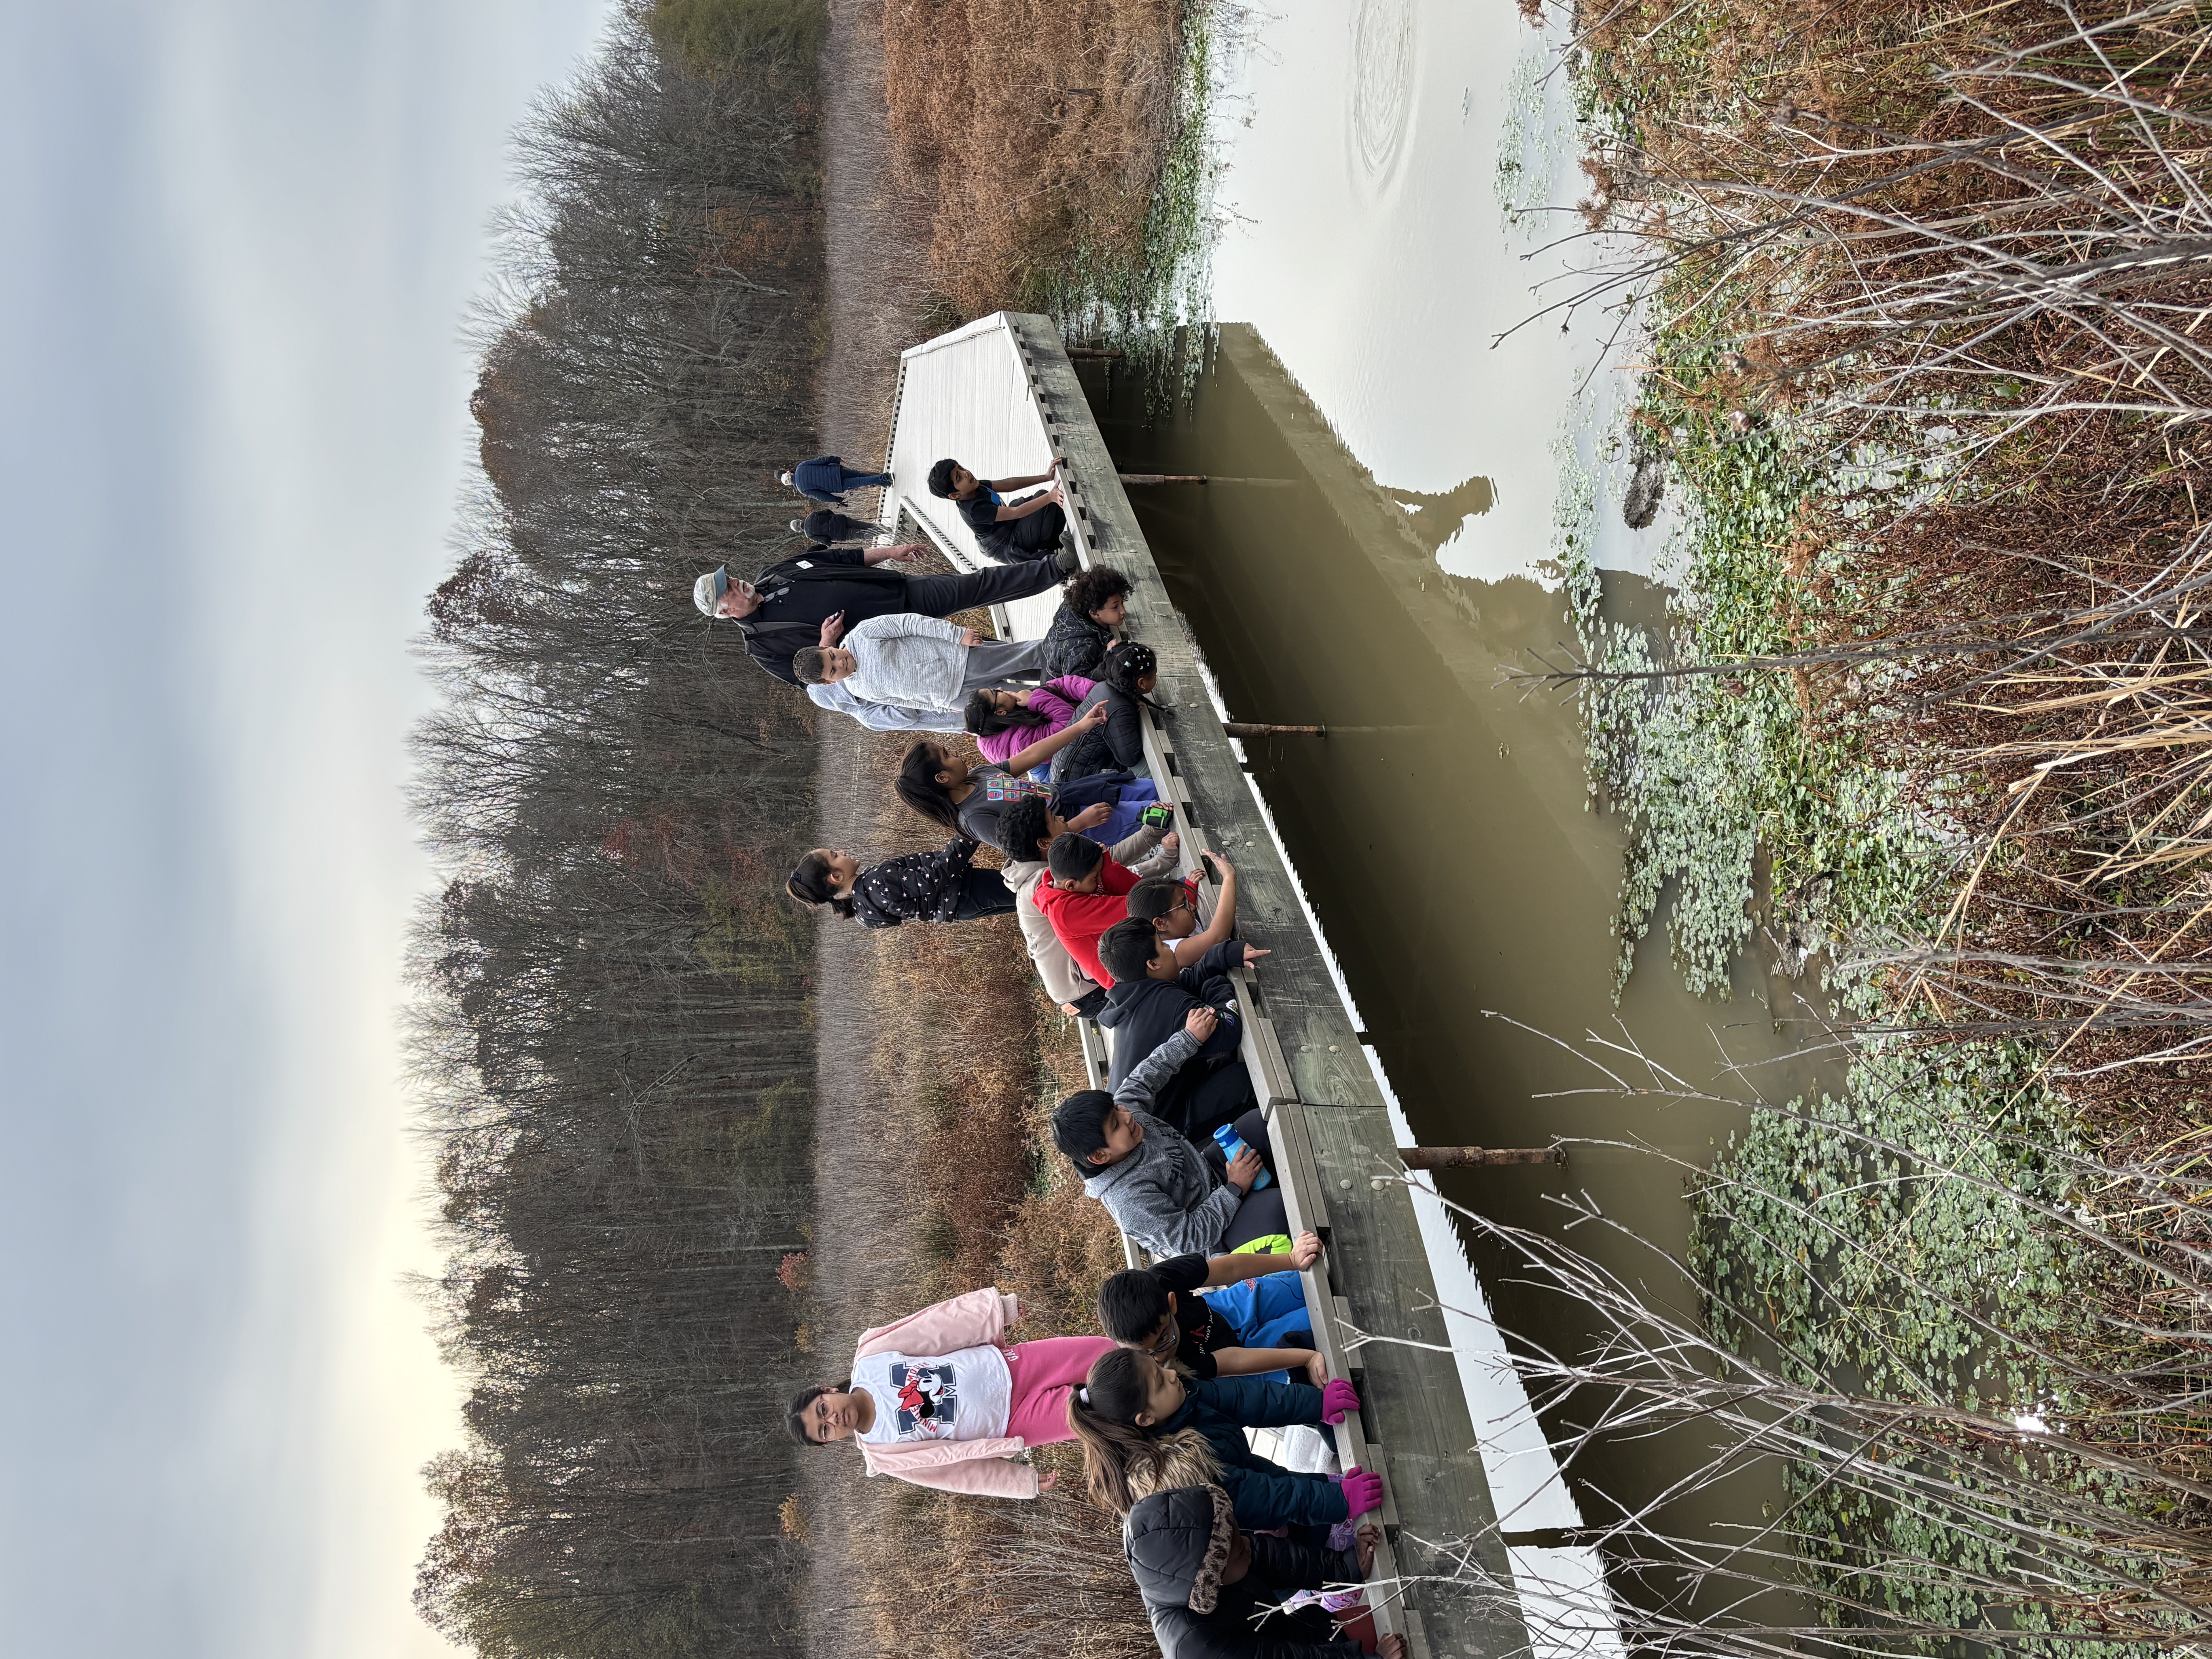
(1057, 154)
(941, 1060)
(1924, 285)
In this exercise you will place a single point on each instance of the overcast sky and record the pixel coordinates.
(239, 237)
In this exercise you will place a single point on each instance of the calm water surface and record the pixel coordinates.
(1404, 441)
(1441, 828)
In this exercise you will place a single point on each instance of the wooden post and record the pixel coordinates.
(1257, 729)
(1462, 1158)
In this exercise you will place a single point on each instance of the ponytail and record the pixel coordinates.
(1123, 1462)
(984, 718)
(810, 885)
(918, 787)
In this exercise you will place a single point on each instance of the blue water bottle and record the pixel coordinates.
(1231, 1143)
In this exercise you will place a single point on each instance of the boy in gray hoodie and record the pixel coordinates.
(1158, 1187)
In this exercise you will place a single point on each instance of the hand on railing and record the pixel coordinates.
(1338, 1402)
(1362, 1492)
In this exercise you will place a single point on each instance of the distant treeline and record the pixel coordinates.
(612, 1026)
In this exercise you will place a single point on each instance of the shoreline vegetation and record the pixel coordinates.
(1925, 287)
(939, 1038)
(675, 1178)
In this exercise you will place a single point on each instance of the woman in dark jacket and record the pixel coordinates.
(1209, 1587)
(940, 886)
(1125, 679)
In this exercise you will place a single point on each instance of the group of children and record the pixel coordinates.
(1212, 1338)
(1236, 1556)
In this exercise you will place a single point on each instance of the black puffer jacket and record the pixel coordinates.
(1143, 1013)
(1167, 1536)
(1116, 746)
(1073, 644)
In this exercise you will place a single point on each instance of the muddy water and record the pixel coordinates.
(1366, 236)
(1441, 828)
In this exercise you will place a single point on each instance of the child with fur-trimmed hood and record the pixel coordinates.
(1212, 1589)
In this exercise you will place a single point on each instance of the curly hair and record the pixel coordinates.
(1022, 825)
(1087, 590)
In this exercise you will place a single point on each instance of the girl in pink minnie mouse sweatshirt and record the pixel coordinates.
(941, 1399)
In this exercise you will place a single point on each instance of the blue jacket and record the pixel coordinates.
(820, 479)
(1265, 1493)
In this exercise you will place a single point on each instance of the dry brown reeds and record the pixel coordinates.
(941, 1059)
(2090, 1535)
(1031, 132)
(1961, 255)
(1964, 219)
(1967, 249)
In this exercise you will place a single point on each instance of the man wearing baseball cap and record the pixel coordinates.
(813, 598)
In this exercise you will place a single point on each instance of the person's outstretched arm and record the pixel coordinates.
(1255, 1264)
(1188, 951)
(1039, 752)
(1003, 484)
(1273, 1496)
(885, 716)
(1035, 504)
(1257, 1362)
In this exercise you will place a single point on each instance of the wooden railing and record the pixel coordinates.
(1294, 1164)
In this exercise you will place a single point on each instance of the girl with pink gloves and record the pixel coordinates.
(1144, 1430)
(941, 1399)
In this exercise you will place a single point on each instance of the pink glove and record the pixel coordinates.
(1337, 1400)
(1362, 1492)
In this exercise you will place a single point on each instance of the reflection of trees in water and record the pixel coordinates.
(1440, 516)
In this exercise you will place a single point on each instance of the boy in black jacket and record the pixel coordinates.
(1150, 998)
(1209, 1586)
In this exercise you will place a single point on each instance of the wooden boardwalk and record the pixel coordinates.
(966, 394)
(1002, 395)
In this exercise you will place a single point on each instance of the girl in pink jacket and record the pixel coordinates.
(941, 1399)
(1006, 722)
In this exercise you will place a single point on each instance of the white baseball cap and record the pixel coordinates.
(706, 593)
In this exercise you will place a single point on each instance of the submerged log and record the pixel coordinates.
(1201, 478)
(1462, 1158)
(1261, 729)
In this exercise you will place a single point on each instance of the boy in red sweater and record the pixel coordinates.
(1086, 893)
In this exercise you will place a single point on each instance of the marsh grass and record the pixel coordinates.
(940, 1060)
(1057, 154)
(1925, 287)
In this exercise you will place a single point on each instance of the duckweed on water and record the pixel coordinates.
(1711, 769)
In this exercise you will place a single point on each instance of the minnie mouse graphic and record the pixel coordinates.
(926, 1400)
